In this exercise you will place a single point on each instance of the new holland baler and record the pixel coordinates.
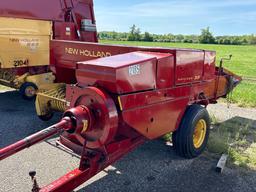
(120, 101)
(26, 28)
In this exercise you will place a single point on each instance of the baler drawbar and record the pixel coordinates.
(64, 124)
(92, 161)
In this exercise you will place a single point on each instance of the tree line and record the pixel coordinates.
(206, 37)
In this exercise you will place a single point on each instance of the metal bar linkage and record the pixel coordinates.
(5, 152)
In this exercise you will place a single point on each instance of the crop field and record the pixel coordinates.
(243, 63)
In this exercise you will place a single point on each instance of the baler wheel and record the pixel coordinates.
(191, 138)
(28, 90)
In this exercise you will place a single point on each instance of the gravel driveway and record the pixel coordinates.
(152, 167)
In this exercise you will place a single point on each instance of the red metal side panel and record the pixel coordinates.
(32, 9)
(156, 120)
(189, 66)
(64, 21)
(155, 113)
(81, 51)
(84, 9)
(209, 65)
(65, 31)
(65, 54)
(46, 9)
(165, 72)
(124, 73)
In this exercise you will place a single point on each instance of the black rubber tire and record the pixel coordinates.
(47, 117)
(183, 138)
(23, 88)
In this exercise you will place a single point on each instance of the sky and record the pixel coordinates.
(224, 17)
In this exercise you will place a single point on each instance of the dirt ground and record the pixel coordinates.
(152, 167)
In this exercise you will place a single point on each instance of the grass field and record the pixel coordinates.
(236, 137)
(243, 63)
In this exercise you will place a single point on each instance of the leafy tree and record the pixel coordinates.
(187, 41)
(114, 35)
(236, 41)
(206, 36)
(148, 37)
(137, 34)
(220, 41)
(227, 41)
(252, 39)
(134, 34)
(179, 38)
(244, 41)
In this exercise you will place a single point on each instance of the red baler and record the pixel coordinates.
(133, 95)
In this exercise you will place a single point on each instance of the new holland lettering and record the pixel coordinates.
(87, 53)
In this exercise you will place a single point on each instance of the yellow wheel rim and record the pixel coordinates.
(30, 91)
(199, 133)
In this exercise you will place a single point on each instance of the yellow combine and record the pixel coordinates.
(26, 31)
(24, 54)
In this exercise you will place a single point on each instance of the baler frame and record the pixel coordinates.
(66, 54)
(120, 101)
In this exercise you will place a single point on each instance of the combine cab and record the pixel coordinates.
(25, 33)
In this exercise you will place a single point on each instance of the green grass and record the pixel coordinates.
(237, 138)
(245, 94)
(243, 63)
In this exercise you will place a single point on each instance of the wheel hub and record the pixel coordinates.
(199, 133)
(30, 91)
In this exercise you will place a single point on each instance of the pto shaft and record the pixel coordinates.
(64, 124)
